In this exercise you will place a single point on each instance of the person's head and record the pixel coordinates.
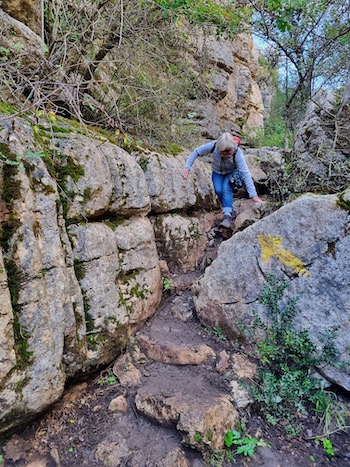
(226, 145)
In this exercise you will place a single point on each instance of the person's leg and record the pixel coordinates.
(227, 196)
(217, 182)
(224, 191)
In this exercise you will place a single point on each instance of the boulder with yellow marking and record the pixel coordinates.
(306, 242)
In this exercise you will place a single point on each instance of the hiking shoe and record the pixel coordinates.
(226, 222)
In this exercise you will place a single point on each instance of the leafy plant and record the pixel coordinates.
(286, 388)
(108, 378)
(4, 54)
(219, 333)
(167, 284)
(236, 444)
(35, 155)
(5, 159)
(243, 444)
(327, 445)
(217, 458)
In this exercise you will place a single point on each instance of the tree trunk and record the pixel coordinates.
(288, 119)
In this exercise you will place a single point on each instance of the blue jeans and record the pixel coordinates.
(224, 191)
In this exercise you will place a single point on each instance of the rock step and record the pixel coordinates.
(186, 400)
(175, 354)
(180, 379)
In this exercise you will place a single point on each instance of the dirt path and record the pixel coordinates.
(85, 428)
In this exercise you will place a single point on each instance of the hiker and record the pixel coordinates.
(228, 163)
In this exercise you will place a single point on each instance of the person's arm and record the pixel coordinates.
(200, 151)
(246, 175)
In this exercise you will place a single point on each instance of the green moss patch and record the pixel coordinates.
(342, 203)
(172, 149)
(68, 168)
(11, 191)
(6, 109)
(79, 270)
(21, 336)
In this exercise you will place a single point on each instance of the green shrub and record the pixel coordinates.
(286, 388)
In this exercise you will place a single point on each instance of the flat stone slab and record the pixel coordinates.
(197, 409)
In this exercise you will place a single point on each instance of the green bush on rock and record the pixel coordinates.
(286, 389)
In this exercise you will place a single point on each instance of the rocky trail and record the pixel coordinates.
(167, 402)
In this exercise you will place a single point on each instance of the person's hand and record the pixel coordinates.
(185, 173)
(256, 199)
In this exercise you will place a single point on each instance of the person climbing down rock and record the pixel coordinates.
(229, 169)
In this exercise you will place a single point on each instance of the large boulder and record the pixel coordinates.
(80, 272)
(182, 240)
(306, 241)
(109, 182)
(167, 188)
(202, 416)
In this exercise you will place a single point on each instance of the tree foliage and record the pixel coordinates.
(312, 37)
(227, 16)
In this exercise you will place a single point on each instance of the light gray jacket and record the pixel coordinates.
(224, 166)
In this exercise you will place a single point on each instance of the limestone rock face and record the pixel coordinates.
(7, 352)
(74, 288)
(102, 189)
(236, 103)
(26, 11)
(47, 304)
(181, 239)
(120, 281)
(308, 241)
(22, 47)
(322, 144)
(167, 188)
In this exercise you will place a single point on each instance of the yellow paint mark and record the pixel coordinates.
(272, 246)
